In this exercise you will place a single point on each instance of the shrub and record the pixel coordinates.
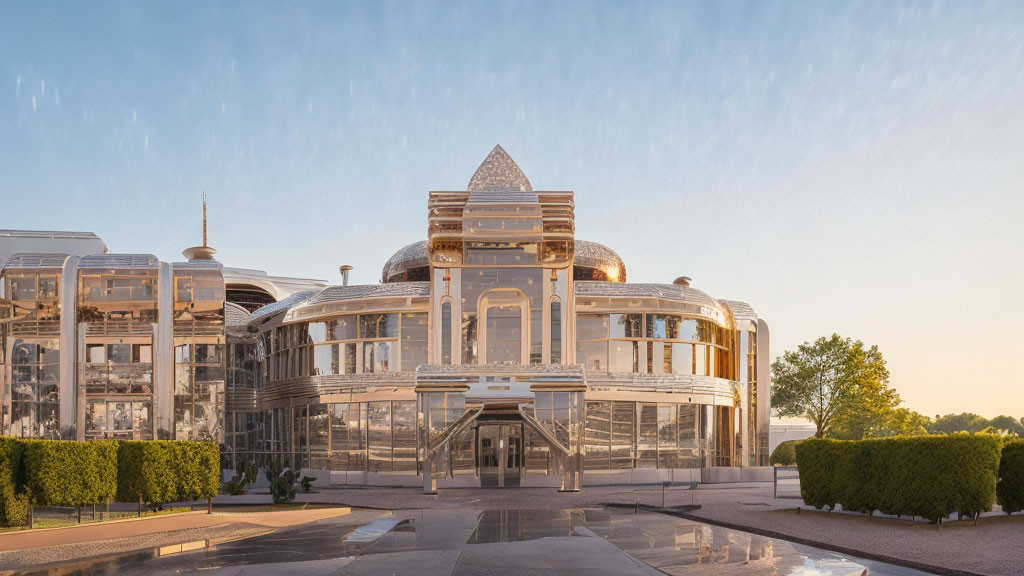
(235, 487)
(13, 499)
(927, 476)
(161, 471)
(282, 483)
(1010, 490)
(250, 473)
(60, 473)
(245, 476)
(785, 453)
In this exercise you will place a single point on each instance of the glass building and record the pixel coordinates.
(500, 351)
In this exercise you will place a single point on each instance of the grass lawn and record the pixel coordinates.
(64, 521)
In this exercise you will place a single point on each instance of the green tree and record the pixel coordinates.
(902, 422)
(837, 383)
(964, 422)
(1007, 424)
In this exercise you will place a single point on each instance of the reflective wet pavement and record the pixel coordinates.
(446, 542)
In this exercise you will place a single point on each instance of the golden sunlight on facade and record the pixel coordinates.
(500, 351)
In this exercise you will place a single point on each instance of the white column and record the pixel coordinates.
(67, 394)
(163, 356)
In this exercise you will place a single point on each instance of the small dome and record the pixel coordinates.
(499, 172)
(595, 261)
(410, 259)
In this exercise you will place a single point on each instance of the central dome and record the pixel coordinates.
(499, 172)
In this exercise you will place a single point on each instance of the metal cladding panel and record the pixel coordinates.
(114, 261)
(163, 389)
(412, 256)
(764, 377)
(198, 265)
(664, 291)
(235, 315)
(26, 261)
(282, 306)
(362, 292)
(741, 310)
(67, 394)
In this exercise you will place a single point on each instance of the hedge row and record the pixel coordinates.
(62, 473)
(71, 473)
(13, 500)
(1010, 490)
(927, 476)
(167, 471)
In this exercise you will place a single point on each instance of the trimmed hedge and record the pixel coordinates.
(785, 453)
(68, 473)
(161, 471)
(927, 476)
(1010, 490)
(13, 499)
(61, 473)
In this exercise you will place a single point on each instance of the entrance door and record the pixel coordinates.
(500, 450)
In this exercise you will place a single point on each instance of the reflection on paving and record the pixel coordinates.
(455, 542)
(683, 547)
(520, 525)
(372, 531)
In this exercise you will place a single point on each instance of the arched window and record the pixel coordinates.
(446, 332)
(556, 330)
(504, 334)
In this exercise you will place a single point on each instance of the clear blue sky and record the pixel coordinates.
(855, 168)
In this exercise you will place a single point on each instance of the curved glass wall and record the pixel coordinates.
(375, 436)
(380, 437)
(653, 344)
(349, 344)
(624, 435)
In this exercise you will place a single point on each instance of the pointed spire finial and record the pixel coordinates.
(499, 171)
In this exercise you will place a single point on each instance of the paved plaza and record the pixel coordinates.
(448, 541)
(738, 529)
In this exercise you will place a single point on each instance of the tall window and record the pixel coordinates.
(504, 334)
(556, 331)
(446, 332)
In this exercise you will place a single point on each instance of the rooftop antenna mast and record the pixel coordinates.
(204, 218)
(203, 252)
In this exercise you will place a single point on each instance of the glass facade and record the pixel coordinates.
(624, 435)
(30, 354)
(117, 312)
(653, 344)
(348, 344)
(500, 331)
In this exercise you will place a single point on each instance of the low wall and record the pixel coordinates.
(638, 476)
(732, 474)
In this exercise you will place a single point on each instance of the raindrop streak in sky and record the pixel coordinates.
(852, 168)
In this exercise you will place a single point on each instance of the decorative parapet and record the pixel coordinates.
(721, 389)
